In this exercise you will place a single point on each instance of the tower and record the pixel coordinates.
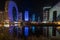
(46, 19)
(6, 10)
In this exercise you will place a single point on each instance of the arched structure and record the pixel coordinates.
(9, 6)
(57, 9)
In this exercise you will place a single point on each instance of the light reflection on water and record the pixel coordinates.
(26, 30)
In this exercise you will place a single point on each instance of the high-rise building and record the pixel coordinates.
(26, 16)
(46, 13)
(6, 10)
(20, 16)
(1, 16)
(33, 17)
(45, 20)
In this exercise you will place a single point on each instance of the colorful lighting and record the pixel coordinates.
(33, 17)
(33, 29)
(26, 31)
(26, 15)
(10, 8)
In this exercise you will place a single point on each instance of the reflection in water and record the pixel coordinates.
(14, 31)
(11, 30)
(26, 31)
(33, 29)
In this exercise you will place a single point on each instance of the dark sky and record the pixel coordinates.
(32, 5)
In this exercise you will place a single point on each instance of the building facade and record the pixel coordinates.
(54, 13)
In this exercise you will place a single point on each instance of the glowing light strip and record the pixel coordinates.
(26, 15)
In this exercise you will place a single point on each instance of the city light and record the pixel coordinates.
(18, 24)
(33, 17)
(26, 31)
(58, 24)
(26, 16)
(6, 23)
(44, 22)
(12, 4)
(33, 29)
(0, 25)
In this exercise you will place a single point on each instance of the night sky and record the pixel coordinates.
(34, 6)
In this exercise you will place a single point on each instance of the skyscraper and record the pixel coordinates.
(46, 19)
(26, 16)
(1, 16)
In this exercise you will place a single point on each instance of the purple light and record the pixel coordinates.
(10, 11)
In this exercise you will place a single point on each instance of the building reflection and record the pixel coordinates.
(29, 27)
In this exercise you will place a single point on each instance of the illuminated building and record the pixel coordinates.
(51, 13)
(33, 20)
(20, 20)
(26, 16)
(26, 28)
(46, 19)
(20, 16)
(1, 16)
(46, 13)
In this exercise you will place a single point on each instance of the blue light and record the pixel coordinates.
(26, 15)
(10, 12)
(26, 31)
(39, 19)
(11, 30)
(33, 29)
(33, 17)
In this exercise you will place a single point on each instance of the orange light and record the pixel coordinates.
(0, 25)
(58, 27)
(6, 23)
(58, 22)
